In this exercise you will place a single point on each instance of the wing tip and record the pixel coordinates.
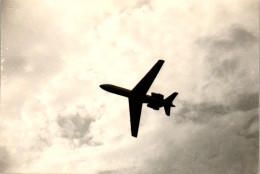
(161, 61)
(134, 134)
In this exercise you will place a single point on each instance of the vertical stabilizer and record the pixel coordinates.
(168, 105)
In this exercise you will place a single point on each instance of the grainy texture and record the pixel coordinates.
(56, 119)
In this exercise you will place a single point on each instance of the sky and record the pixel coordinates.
(56, 119)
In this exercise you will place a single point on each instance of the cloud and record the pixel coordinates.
(247, 101)
(223, 136)
(238, 37)
(107, 172)
(76, 128)
(230, 66)
(222, 132)
(201, 112)
(56, 118)
(220, 145)
(77, 125)
(5, 160)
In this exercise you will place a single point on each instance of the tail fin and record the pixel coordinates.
(168, 105)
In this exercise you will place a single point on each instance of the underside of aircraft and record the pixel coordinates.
(137, 96)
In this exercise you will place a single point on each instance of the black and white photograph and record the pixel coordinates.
(129, 87)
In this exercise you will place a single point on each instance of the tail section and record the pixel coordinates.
(168, 103)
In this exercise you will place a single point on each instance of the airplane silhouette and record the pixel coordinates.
(137, 96)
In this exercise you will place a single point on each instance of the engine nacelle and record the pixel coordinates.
(155, 107)
(157, 95)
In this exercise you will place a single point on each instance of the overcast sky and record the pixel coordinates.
(55, 54)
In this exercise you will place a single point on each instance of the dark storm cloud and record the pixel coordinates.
(4, 160)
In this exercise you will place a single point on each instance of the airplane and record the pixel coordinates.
(137, 96)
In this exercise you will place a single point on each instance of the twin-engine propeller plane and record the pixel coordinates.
(137, 96)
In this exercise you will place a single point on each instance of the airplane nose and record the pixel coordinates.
(102, 86)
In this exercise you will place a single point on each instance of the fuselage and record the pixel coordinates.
(127, 93)
(138, 95)
(116, 90)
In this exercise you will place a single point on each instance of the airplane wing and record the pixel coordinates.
(135, 115)
(135, 103)
(143, 86)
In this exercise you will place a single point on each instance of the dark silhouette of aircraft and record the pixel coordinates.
(137, 96)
